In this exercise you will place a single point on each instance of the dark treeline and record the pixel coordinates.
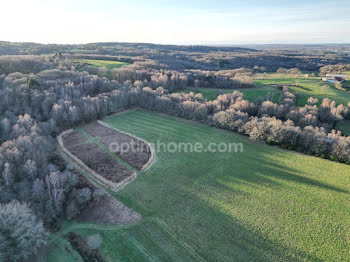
(78, 97)
(307, 129)
(25, 64)
(44, 95)
(306, 58)
(335, 69)
(140, 72)
(149, 73)
(31, 172)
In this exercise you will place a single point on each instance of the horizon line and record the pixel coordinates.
(185, 44)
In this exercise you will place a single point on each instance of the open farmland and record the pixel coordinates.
(265, 204)
(101, 63)
(304, 88)
(250, 94)
(119, 144)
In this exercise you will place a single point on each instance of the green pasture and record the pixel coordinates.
(251, 94)
(101, 63)
(262, 204)
(304, 88)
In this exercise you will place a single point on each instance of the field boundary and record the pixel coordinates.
(115, 187)
(151, 160)
(120, 229)
(197, 122)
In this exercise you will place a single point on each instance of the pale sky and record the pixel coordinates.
(175, 22)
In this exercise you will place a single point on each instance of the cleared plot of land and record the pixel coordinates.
(250, 94)
(101, 162)
(109, 211)
(73, 138)
(91, 144)
(304, 88)
(133, 151)
(101, 63)
(265, 204)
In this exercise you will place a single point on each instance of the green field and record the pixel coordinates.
(303, 89)
(309, 87)
(251, 94)
(265, 204)
(344, 127)
(101, 63)
(275, 75)
(346, 84)
(348, 74)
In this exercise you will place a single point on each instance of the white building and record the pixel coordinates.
(334, 77)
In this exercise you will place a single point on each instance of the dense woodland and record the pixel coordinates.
(43, 93)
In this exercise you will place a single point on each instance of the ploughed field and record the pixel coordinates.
(91, 145)
(133, 151)
(262, 204)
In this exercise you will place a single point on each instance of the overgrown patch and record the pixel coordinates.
(86, 252)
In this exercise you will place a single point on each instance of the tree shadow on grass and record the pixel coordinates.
(235, 241)
(217, 236)
(273, 170)
(175, 197)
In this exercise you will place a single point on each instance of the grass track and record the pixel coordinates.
(148, 240)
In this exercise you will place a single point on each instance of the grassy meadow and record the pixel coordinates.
(265, 204)
(344, 127)
(304, 88)
(251, 94)
(101, 63)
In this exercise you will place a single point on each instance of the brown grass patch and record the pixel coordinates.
(109, 211)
